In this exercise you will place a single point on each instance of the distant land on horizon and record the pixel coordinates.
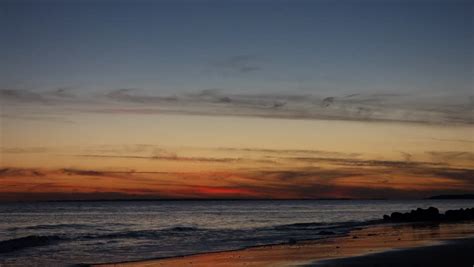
(463, 196)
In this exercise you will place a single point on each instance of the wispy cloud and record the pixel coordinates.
(375, 107)
(54, 96)
(38, 117)
(447, 156)
(22, 150)
(19, 172)
(361, 162)
(454, 140)
(391, 181)
(21, 96)
(178, 158)
(239, 64)
(82, 172)
(215, 102)
(128, 95)
(291, 152)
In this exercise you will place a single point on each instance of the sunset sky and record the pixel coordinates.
(236, 99)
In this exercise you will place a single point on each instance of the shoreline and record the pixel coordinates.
(361, 242)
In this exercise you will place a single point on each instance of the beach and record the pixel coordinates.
(449, 253)
(236, 133)
(406, 244)
(217, 233)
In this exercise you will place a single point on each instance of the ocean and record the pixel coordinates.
(68, 233)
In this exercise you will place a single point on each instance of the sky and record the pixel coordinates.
(236, 99)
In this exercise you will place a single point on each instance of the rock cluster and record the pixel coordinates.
(431, 214)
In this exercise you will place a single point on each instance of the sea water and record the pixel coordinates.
(67, 233)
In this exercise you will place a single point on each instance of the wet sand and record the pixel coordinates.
(449, 253)
(379, 245)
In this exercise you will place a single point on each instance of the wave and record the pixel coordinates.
(60, 226)
(51, 226)
(304, 226)
(318, 226)
(219, 238)
(27, 242)
(184, 229)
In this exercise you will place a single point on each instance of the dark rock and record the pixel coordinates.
(459, 215)
(397, 216)
(431, 214)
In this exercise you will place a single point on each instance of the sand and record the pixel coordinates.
(419, 244)
(450, 253)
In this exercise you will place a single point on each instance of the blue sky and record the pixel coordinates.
(167, 47)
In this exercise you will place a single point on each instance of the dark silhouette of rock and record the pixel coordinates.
(459, 215)
(396, 216)
(464, 196)
(431, 214)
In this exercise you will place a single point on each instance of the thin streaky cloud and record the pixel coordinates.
(290, 151)
(302, 182)
(214, 102)
(454, 140)
(452, 155)
(239, 64)
(179, 158)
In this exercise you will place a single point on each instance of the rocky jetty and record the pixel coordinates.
(431, 214)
